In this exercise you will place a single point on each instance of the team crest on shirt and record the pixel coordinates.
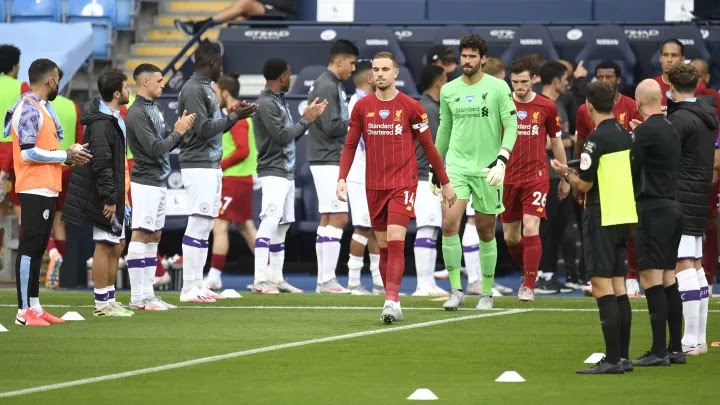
(522, 115)
(398, 115)
(621, 118)
(536, 117)
(484, 97)
(470, 98)
(384, 113)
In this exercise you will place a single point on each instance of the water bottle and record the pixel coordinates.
(117, 227)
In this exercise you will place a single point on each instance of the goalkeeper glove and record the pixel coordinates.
(435, 186)
(496, 170)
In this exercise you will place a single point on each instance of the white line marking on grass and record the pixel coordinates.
(242, 353)
(357, 308)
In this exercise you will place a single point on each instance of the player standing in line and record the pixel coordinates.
(362, 235)
(324, 144)
(624, 111)
(428, 208)
(98, 192)
(239, 164)
(696, 122)
(527, 180)
(200, 155)
(150, 142)
(477, 131)
(390, 122)
(276, 134)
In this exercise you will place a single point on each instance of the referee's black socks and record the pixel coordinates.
(658, 309)
(610, 321)
(674, 317)
(625, 321)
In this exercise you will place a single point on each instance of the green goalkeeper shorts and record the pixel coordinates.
(486, 199)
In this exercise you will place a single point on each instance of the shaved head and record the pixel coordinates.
(702, 68)
(648, 93)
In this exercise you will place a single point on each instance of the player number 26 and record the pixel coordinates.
(409, 198)
(539, 198)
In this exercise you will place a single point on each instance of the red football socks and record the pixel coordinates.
(531, 257)
(395, 269)
(516, 252)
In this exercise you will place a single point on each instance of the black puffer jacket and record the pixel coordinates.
(102, 181)
(697, 124)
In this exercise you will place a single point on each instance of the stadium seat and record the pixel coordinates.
(36, 10)
(3, 16)
(380, 10)
(608, 42)
(125, 14)
(100, 13)
(510, 10)
(376, 38)
(530, 39)
(405, 83)
(305, 79)
(691, 37)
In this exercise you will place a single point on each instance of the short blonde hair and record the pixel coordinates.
(493, 66)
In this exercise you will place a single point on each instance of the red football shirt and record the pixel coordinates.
(389, 130)
(537, 119)
(624, 110)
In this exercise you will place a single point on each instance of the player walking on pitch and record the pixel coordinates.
(389, 122)
(527, 180)
(477, 132)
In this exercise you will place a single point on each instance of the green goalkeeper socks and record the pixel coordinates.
(452, 255)
(488, 260)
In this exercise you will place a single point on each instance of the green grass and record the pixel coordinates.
(458, 361)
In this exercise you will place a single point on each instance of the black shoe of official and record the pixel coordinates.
(627, 365)
(545, 286)
(603, 367)
(677, 357)
(650, 359)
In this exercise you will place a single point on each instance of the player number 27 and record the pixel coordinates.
(409, 198)
(539, 198)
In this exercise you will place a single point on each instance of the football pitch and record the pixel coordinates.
(314, 349)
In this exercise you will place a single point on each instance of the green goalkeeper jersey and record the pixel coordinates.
(475, 122)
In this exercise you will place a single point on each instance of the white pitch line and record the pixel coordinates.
(357, 308)
(242, 353)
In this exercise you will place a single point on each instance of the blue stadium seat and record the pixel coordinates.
(36, 10)
(125, 14)
(305, 79)
(608, 42)
(100, 13)
(381, 10)
(376, 38)
(510, 10)
(405, 83)
(691, 37)
(530, 39)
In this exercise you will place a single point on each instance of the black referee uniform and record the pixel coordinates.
(608, 215)
(656, 156)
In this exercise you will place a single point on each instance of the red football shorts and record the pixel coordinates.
(66, 175)
(713, 208)
(236, 199)
(525, 198)
(391, 207)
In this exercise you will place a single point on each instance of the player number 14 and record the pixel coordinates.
(409, 198)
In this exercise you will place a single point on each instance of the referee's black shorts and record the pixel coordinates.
(603, 246)
(658, 233)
